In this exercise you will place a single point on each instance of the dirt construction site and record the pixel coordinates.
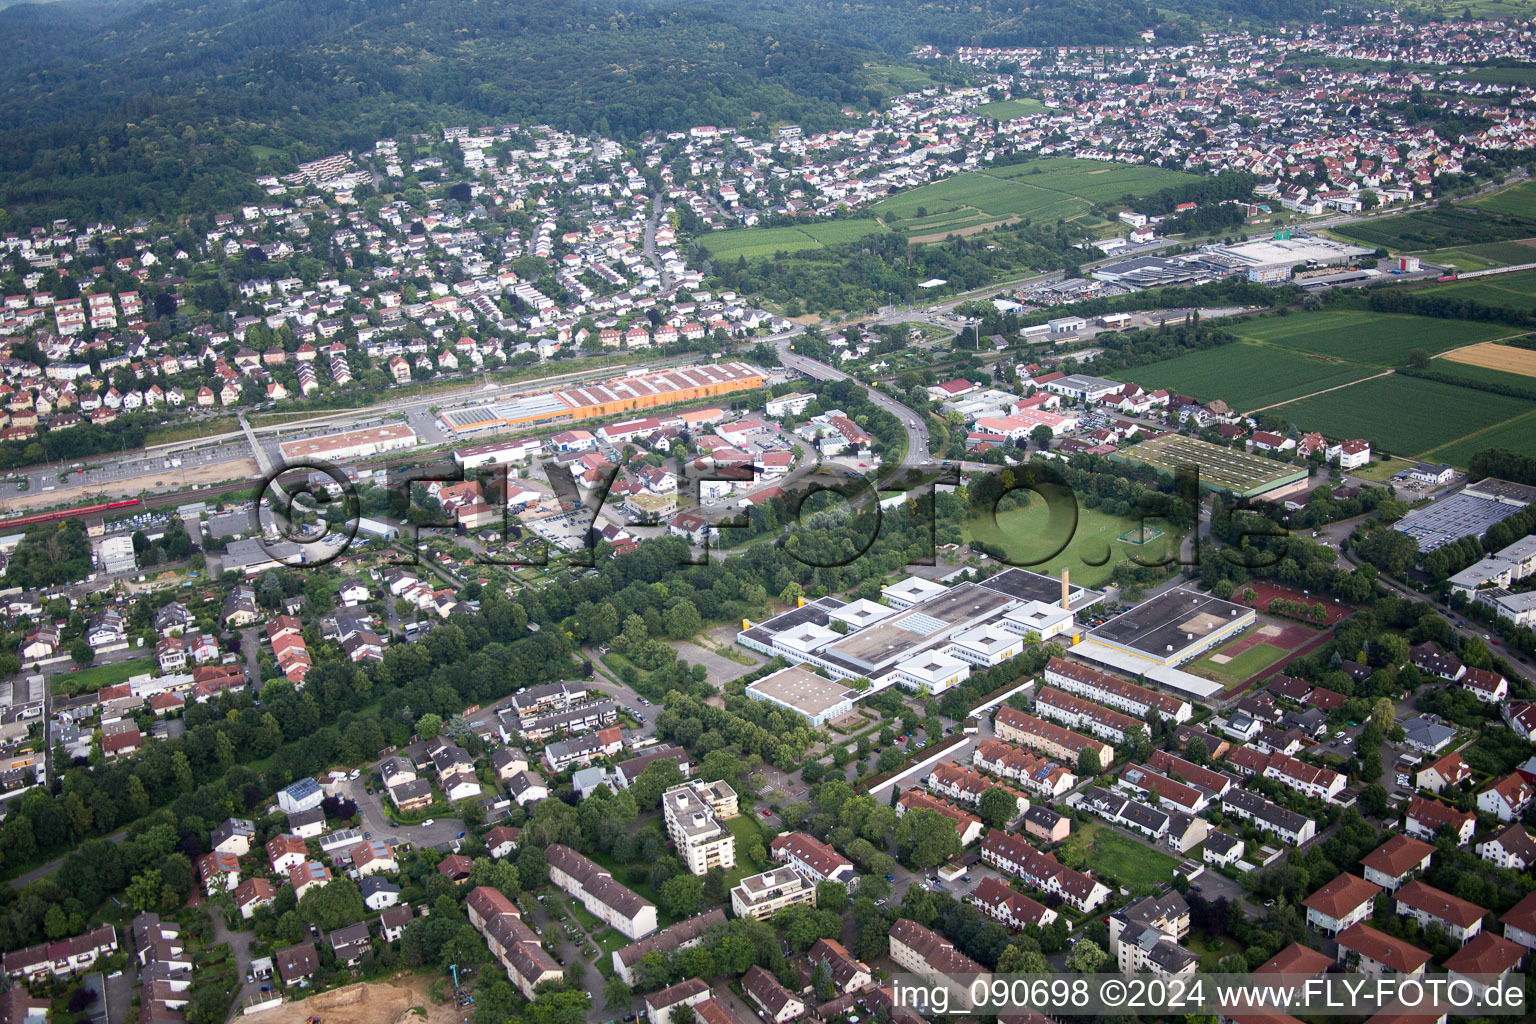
(401, 1001)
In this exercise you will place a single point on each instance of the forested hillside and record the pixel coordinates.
(118, 108)
(160, 108)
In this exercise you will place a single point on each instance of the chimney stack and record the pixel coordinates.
(1065, 606)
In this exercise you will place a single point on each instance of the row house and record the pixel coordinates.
(1014, 855)
(968, 787)
(1115, 692)
(812, 858)
(685, 934)
(63, 958)
(1009, 907)
(1052, 740)
(1077, 713)
(1267, 816)
(1306, 779)
(935, 960)
(967, 826)
(1119, 809)
(1035, 774)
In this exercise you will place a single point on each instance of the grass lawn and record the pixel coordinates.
(1007, 110)
(1119, 858)
(588, 920)
(744, 827)
(1092, 548)
(89, 680)
(1243, 666)
(1381, 471)
(1212, 948)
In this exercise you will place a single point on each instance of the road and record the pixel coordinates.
(917, 453)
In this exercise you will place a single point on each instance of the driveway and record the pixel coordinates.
(240, 949)
(376, 823)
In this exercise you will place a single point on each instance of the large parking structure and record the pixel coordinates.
(1229, 470)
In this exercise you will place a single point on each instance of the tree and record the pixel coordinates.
(1041, 435)
(681, 895)
(333, 905)
(831, 896)
(658, 777)
(997, 807)
(82, 653)
(1088, 763)
(428, 726)
(1198, 750)
(1374, 802)
(616, 994)
(926, 838)
(1087, 958)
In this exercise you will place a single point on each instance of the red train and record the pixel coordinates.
(69, 513)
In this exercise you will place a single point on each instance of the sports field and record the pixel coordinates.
(1359, 336)
(1007, 110)
(1227, 469)
(1230, 670)
(1093, 547)
(1517, 290)
(1248, 375)
(1404, 415)
(1502, 358)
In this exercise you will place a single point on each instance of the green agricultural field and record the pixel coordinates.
(1481, 257)
(1375, 339)
(1007, 110)
(1404, 414)
(1517, 290)
(1518, 434)
(1041, 190)
(1027, 534)
(1519, 201)
(895, 79)
(1475, 375)
(1248, 375)
(1496, 218)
